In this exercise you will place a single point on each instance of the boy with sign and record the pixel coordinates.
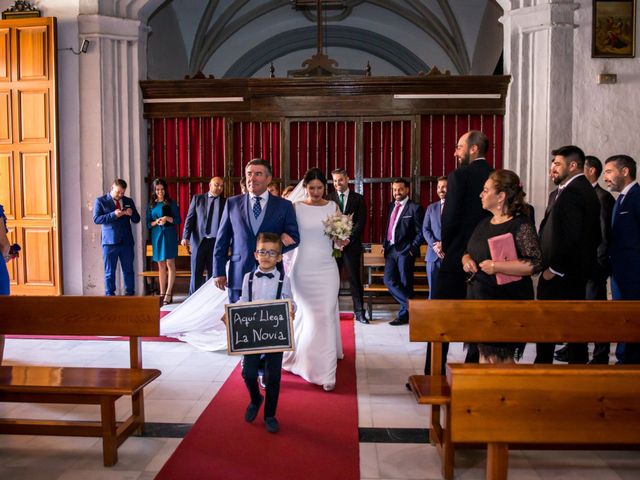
(265, 283)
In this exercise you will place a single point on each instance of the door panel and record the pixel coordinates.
(5, 116)
(33, 56)
(37, 263)
(13, 265)
(36, 180)
(29, 169)
(33, 113)
(5, 55)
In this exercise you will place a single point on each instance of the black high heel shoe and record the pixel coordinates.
(168, 298)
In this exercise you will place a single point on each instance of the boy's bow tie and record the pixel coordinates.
(260, 275)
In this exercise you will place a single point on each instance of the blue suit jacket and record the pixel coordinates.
(624, 245)
(408, 232)
(115, 231)
(431, 230)
(235, 231)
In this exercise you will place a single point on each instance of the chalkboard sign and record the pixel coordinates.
(259, 327)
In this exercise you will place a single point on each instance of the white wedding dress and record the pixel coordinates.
(315, 283)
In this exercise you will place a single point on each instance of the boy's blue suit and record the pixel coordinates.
(235, 232)
(432, 232)
(117, 241)
(624, 251)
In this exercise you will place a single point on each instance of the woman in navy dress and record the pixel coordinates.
(4, 249)
(163, 217)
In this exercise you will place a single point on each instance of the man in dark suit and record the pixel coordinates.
(597, 283)
(243, 218)
(569, 237)
(115, 213)
(432, 233)
(351, 203)
(461, 213)
(200, 229)
(624, 245)
(402, 247)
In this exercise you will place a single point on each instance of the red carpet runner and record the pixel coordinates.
(318, 436)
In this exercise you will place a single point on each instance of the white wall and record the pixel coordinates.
(605, 117)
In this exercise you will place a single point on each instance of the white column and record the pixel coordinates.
(538, 54)
(112, 131)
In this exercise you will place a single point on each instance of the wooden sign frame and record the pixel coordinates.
(252, 313)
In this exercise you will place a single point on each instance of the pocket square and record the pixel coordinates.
(409, 216)
(623, 213)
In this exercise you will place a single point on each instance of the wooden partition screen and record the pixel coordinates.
(375, 128)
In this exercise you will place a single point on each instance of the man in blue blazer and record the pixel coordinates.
(200, 229)
(624, 244)
(431, 231)
(115, 213)
(244, 217)
(402, 247)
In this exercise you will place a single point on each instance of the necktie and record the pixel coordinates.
(117, 204)
(441, 207)
(257, 208)
(260, 275)
(392, 221)
(342, 202)
(207, 230)
(616, 207)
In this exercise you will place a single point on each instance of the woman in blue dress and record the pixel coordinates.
(6, 255)
(163, 217)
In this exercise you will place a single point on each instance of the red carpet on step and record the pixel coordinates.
(318, 436)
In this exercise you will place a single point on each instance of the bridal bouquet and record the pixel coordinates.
(338, 226)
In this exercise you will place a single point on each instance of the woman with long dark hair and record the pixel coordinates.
(163, 217)
(503, 196)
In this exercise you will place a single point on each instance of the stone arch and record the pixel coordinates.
(336, 36)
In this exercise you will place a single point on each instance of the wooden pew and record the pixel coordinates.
(374, 287)
(133, 317)
(477, 321)
(501, 405)
(183, 268)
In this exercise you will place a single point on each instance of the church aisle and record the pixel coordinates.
(388, 414)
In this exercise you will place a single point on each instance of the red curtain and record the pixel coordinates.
(255, 140)
(326, 145)
(186, 153)
(387, 149)
(439, 135)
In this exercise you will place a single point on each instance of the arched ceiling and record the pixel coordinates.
(232, 38)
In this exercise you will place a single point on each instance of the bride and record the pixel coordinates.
(315, 283)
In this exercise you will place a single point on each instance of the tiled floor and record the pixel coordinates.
(190, 378)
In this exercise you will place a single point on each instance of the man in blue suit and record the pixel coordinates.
(402, 247)
(431, 231)
(115, 213)
(624, 244)
(244, 217)
(200, 229)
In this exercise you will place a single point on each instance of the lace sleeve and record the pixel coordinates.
(529, 246)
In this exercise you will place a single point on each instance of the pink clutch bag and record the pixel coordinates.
(503, 248)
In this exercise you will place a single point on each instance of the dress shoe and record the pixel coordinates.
(399, 321)
(359, 316)
(252, 411)
(598, 361)
(408, 386)
(271, 424)
(327, 387)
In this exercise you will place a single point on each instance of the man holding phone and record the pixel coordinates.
(115, 212)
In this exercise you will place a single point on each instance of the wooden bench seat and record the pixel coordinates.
(133, 317)
(543, 406)
(478, 321)
(150, 275)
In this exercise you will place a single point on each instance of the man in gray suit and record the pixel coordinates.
(200, 229)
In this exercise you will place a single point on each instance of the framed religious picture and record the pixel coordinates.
(614, 29)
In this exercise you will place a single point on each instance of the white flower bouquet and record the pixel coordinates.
(338, 227)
